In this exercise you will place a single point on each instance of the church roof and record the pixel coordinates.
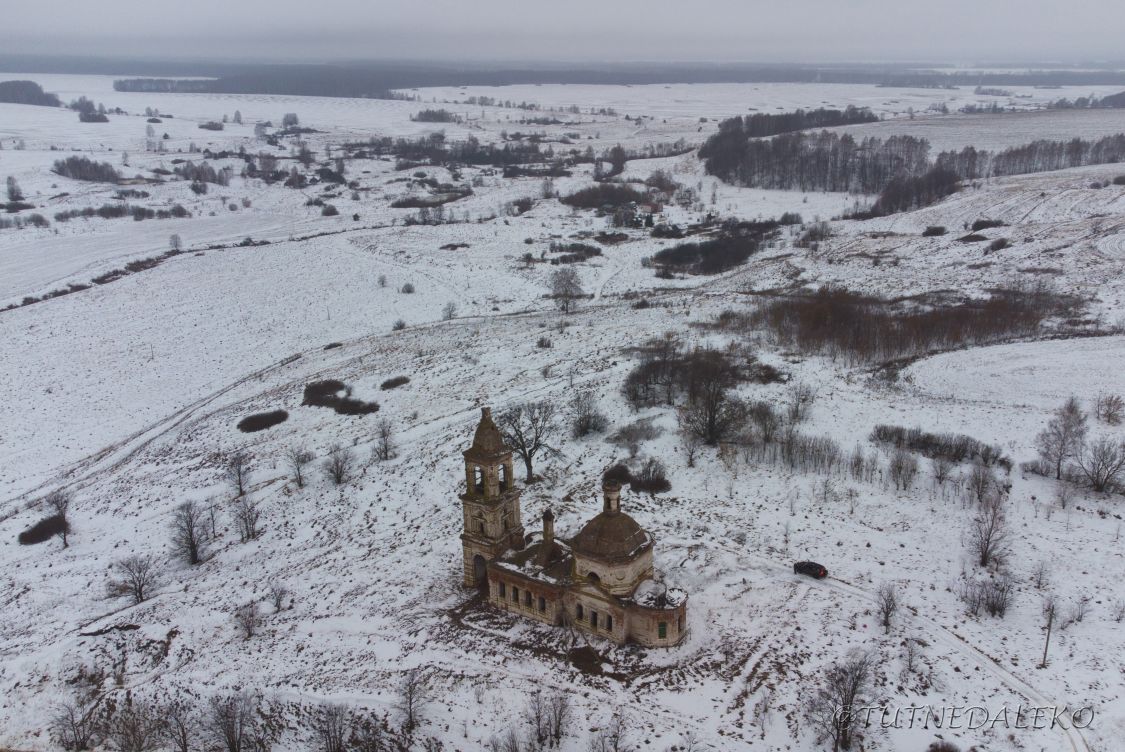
(487, 441)
(611, 535)
(540, 559)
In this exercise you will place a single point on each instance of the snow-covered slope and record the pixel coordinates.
(128, 394)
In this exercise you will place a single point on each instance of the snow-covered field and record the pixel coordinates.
(128, 394)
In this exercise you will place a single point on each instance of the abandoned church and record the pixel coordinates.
(600, 581)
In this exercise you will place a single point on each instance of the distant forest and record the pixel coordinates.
(761, 124)
(26, 92)
(830, 161)
(380, 79)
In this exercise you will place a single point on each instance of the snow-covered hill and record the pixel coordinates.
(128, 394)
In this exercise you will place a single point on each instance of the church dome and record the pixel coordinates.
(611, 535)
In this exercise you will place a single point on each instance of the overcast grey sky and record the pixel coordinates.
(590, 30)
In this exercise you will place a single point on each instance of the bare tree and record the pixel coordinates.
(276, 594)
(1063, 436)
(371, 736)
(942, 468)
(981, 482)
(558, 713)
(189, 533)
(1101, 462)
(989, 540)
(902, 468)
(134, 727)
(247, 514)
(537, 716)
(234, 724)
(59, 504)
(15, 193)
(886, 601)
(801, 397)
(566, 287)
(339, 465)
(296, 458)
(74, 726)
(1041, 575)
(384, 448)
(237, 472)
(1109, 408)
(509, 742)
(333, 728)
(181, 727)
(713, 416)
(449, 311)
(689, 439)
(614, 737)
(527, 429)
(175, 243)
(413, 696)
(136, 577)
(833, 710)
(247, 619)
(588, 418)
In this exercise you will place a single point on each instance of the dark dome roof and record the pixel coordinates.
(487, 441)
(611, 535)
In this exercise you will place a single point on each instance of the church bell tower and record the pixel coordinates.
(491, 502)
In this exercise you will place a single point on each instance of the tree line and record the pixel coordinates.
(898, 167)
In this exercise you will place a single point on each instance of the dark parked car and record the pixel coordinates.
(811, 568)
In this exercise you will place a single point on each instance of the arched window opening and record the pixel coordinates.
(478, 480)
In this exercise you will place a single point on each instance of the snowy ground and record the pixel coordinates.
(127, 393)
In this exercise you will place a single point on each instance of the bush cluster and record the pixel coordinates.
(262, 421)
(955, 447)
(338, 396)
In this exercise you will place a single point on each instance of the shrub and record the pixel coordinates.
(1119, 180)
(435, 116)
(327, 393)
(262, 421)
(329, 211)
(82, 168)
(718, 254)
(790, 218)
(408, 288)
(543, 342)
(835, 321)
(986, 224)
(43, 531)
(604, 194)
(588, 418)
(394, 383)
(933, 231)
(650, 478)
(630, 437)
(815, 233)
(398, 326)
(955, 447)
(211, 125)
(618, 473)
